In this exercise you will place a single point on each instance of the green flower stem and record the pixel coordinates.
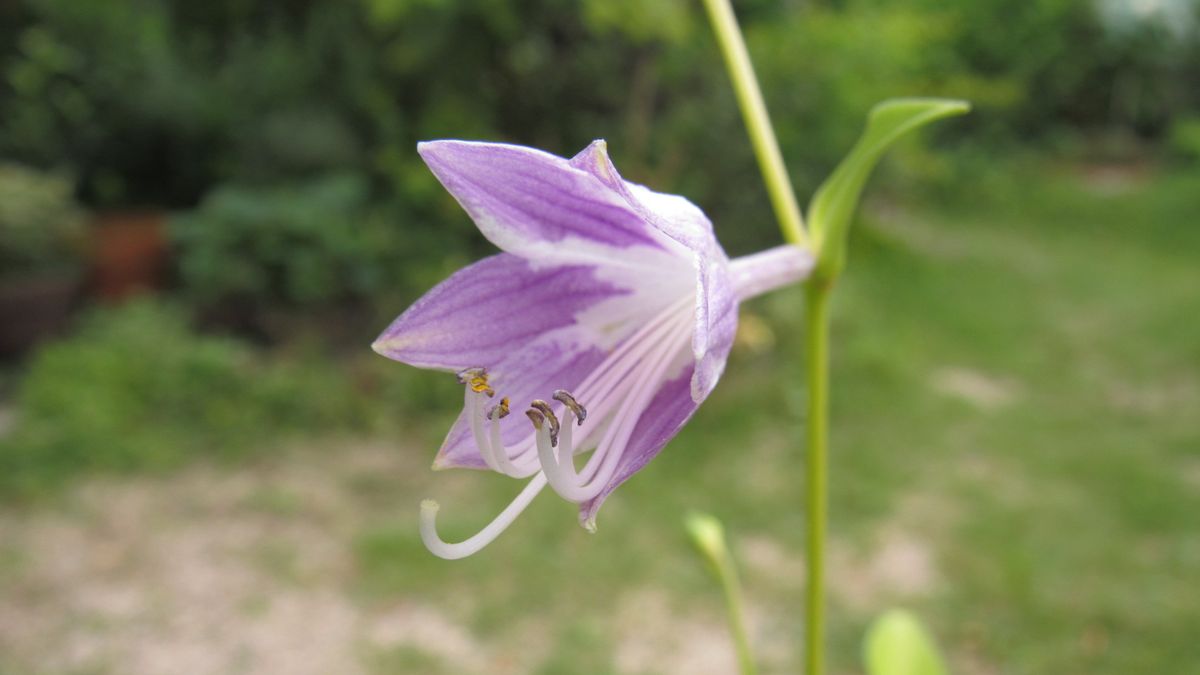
(758, 123)
(787, 211)
(709, 537)
(816, 355)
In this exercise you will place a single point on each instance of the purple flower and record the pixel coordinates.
(606, 319)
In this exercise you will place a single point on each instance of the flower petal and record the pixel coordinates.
(526, 201)
(488, 310)
(672, 215)
(716, 324)
(668, 411)
(684, 223)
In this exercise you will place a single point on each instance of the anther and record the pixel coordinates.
(466, 374)
(551, 418)
(536, 417)
(477, 380)
(563, 396)
(499, 411)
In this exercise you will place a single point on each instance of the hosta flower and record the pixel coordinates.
(602, 325)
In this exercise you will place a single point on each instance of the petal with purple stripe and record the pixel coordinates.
(525, 200)
(486, 311)
(686, 224)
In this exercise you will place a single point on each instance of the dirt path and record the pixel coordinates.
(208, 571)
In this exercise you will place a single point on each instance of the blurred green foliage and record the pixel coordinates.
(301, 243)
(135, 389)
(41, 225)
(159, 103)
(1185, 138)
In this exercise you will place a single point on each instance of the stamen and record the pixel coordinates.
(566, 448)
(443, 549)
(621, 388)
(475, 419)
(499, 411)
(551, 469)
(563, 396)
(477, 380)
(615, 368)
(560, 471)
(550, 417)
(499, 452)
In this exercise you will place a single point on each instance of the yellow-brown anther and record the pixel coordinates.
(544, 408)
(477, 380)
(563, 396)
(499, 411)
(536, 417)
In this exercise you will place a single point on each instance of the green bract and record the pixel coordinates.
(834, 202)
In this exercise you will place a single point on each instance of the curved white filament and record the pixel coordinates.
(474, 413)
(487, 535)
(501, 454)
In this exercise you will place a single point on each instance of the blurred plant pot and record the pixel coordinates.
(129, 252)
(35, 307)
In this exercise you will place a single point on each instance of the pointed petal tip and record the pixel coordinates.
(430, 151)
(589, 524)
(594, 159)
(424, 147)
(444, 151)
(433, 145)
(389, 347)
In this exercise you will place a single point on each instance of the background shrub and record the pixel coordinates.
(135, 389)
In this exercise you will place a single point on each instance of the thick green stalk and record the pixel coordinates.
(758, 123)
(787, 211)
(816, 356)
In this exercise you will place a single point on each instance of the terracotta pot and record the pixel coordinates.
(34, 308)
(129, 253)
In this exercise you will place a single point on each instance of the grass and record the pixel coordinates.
(1016, 370)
